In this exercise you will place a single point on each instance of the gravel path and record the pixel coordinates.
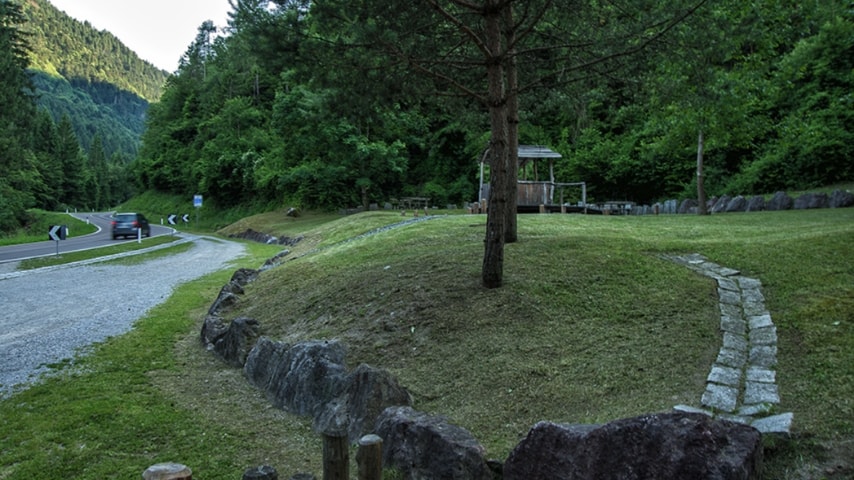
(47, 315)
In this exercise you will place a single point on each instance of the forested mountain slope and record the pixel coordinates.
(90, 76)
(331, 104)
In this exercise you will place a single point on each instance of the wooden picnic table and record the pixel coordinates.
(414, 202)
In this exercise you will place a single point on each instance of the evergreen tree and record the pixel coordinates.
(20, 176)
(70, 157)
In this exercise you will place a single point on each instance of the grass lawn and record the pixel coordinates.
(591, 325)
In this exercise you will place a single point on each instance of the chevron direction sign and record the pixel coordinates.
(57, 232)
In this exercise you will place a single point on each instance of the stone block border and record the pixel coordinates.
(741, 385)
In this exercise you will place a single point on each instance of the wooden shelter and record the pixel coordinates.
(536, 185)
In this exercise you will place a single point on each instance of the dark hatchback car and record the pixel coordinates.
(127, 224)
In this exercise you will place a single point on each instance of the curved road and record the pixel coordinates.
(48, 315)
(101, 238)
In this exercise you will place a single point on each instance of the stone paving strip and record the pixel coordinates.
(741, 385)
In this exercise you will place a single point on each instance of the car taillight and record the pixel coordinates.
(135, 224)
(113, 223)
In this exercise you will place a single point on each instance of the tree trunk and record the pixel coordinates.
(701, 191)
(365, 202)
(493, 257)
(511, 227)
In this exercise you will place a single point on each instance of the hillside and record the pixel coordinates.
(592, 325)
(89, 75)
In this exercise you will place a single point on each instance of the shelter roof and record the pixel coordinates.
(537, 151)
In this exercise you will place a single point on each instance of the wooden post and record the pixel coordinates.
(542, 208)
(167, 471)
(336, 458)
(369, 457)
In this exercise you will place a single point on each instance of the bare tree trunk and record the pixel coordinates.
(701, 190)
(511, 227)
(493, 257)
(365, 203)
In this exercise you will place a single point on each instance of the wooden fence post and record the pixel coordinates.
(336, 457)
(369, 457)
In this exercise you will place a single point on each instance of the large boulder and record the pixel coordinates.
(736, 204)
(243, 276)
(756, 203)
(669, 446)
(841, 199)
(233, 343)
(811, 200)
(301, 378)
(720, 204)
(230, 292)
(689, 205)
(367, 392)
(423, 446)
(780, 201)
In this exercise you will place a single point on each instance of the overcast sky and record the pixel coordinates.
(159, 31)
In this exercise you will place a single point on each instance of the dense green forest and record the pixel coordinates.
(91, 77)
(73, 103)
(330, 104)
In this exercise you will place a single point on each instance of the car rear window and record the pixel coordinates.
(125, 218)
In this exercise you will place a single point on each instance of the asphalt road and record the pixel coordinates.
(101, 238)
(51, 314)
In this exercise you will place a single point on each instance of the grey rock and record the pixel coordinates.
(760, 321)
(840, 199)
(757, 374)
(811, 200)
(763, 356)
(264, 472)
(725, 376)
(733, 311)
(234, 343)
(230, 292)
(688, 205)
(720, 204)
(756, 392)
(367, 392)
(734, 325)
(729, 297)
(780, 201)
(720, 397)
(781, 423)
(423, 446)
(748, 283)
(690, 409)
(764, 336)
(756, 203)
(243, 276)
(735, 341)
(225, 300)
(663, 447)
(731, 358)
(726, 283)
(301, 378)
(736, 204)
